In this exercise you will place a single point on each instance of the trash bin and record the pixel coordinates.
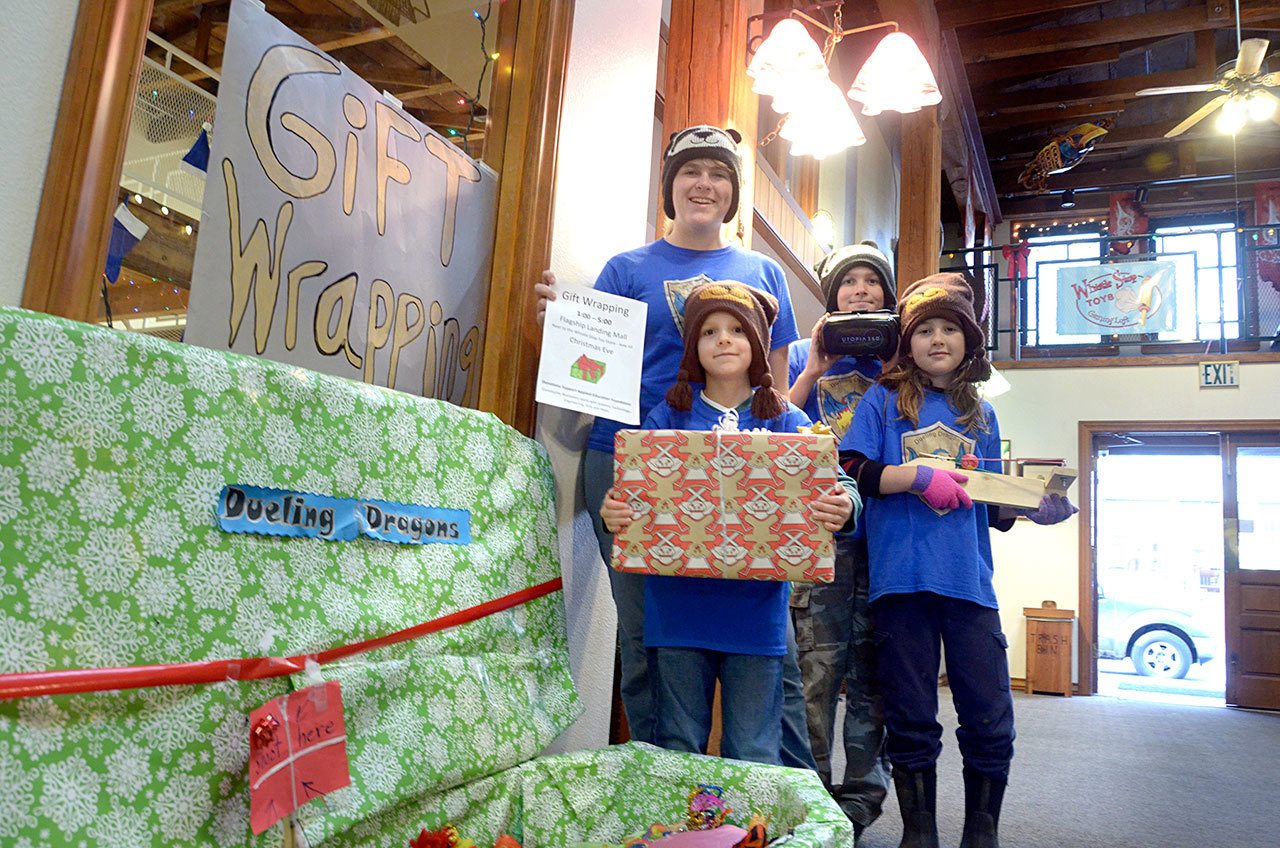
(1049, 648)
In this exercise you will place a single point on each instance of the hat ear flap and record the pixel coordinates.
(735, 135)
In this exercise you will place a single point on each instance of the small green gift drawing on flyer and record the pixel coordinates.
(586, 368)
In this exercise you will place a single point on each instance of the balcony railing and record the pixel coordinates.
(1207, 290)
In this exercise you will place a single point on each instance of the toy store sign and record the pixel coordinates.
(1132, 297)
(338, 233)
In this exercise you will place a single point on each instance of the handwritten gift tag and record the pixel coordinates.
(297, 752)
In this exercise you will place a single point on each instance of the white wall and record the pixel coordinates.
(876, 215)
(1040, 417)
(602, 194)
(34, 44)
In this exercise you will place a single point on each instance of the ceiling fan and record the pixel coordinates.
(1244, 88)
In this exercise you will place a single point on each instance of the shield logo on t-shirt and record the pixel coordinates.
(677, 291)
(837, 399)
(935, 440)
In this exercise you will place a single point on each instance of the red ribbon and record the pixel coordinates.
(76, 680)
(1016, 256)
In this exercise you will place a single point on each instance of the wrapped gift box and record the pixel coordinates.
(730, 505)
(113, 450)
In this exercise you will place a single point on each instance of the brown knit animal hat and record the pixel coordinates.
(946, 295)
(755, 311)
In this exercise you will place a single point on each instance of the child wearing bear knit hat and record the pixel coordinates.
(930, 558)
(700, 630)
(701, 177)
(835, 641)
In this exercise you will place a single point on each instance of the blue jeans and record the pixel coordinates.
(750, 702)
(636, 684)
(908, 629)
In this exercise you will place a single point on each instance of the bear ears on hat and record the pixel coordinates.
(732, 133)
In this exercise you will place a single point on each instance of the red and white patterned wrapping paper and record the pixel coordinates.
(730, 505)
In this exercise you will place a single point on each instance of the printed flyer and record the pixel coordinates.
(592, 351)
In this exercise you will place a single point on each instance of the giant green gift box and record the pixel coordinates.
(113, 449)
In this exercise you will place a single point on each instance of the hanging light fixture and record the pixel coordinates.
(822, 123)
(789, 59)
(895, 77)
(789, 67)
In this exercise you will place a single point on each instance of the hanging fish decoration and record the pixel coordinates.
(1063, 152)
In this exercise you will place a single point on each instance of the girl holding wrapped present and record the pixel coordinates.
(930, 557)
(700, 630)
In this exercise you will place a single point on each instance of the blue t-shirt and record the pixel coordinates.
(835, 394)
(733, 616)
(662, 275)
(911, 547)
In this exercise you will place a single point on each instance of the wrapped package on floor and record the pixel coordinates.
(724, 504)
(145, 488)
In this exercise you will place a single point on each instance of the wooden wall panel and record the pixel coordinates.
(81, 184)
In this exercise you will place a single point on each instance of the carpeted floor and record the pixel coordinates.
(1101, 772)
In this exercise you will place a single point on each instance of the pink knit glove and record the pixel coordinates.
(1053, 509)
(940, 488)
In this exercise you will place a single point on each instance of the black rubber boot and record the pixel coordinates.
(982, 799)
(918, 800)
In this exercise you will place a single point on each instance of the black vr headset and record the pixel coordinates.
(861, 333)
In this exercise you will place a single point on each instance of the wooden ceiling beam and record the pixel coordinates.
(1092, 34)
(979, 166)
(959, 13)
(1136, 172)
(327, 24)
(375, 73)
(1124, 88)
(1048, 119)
(985, 74)
(1183, 197)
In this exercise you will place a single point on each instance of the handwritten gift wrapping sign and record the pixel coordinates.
(297, 752)
(1129, 297)
(338, 233)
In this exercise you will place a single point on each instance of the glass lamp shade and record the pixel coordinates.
(788, 58)
(895, 77)
(822, 123)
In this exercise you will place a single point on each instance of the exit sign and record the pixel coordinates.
(1219, 375)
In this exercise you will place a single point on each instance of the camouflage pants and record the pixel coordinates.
(836, 645)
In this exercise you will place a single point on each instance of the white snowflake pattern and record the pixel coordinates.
(231, 821)
(44, 351)
(183, 807)
(157, 591)
(106, 637)
(11, 505)
(198, 493)
(110, 559)
(54, 592)
(378, 768)
(280, 440)
(207, 440)
(158, 408)
(106, 354)
(128, 770)
(69, 794)
(17, 800)
(207, 371)
(50, 465)
(97, 496)
(213, 579)
(120, 827)
(161, 533)
(91, 415)
(43, 724)
(22, 647)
